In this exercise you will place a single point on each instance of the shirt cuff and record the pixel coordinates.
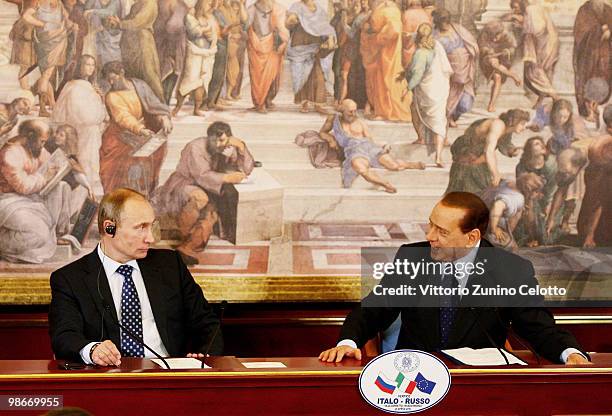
(348, 343)
(568, 351)
(84, 353)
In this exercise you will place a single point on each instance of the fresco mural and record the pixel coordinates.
(277, 138)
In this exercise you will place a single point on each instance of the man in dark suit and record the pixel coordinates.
(456, 225)
(149, 291)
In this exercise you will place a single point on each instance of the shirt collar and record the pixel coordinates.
(110, 265)
(470, 256)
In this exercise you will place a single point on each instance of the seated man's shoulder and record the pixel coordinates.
(75, 268)
(507, 265)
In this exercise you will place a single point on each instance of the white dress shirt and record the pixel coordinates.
(468, 258)
(150, 333)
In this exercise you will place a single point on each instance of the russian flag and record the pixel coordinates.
(384, 384)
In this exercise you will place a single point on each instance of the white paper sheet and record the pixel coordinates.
(482, 356)
(180, 363)
(265, 364)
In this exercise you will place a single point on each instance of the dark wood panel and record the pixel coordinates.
(258, 330)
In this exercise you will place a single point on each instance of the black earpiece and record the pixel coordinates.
(110, 229)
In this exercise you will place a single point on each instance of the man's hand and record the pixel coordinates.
(495, 180)
(113, 22)
(500, 235)
(106, 353)
(166, 125)
(146, 132)
(338, 353)
(8, 126)
(549, 228)
(50, 173)
(589, 242)
(234, 177)
(195, 355)
(577, 359)
(237, 143)
(605, 35)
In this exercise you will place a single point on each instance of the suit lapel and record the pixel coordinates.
(97, 285)
(152, 277)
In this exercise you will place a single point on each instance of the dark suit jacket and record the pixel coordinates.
(77, 316)
(421, 325)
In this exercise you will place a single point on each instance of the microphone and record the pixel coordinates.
(222, 306)
(136, 337)
(483, 329)
(510, 330)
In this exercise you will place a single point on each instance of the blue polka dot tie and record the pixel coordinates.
(448, 309)
(131, 316)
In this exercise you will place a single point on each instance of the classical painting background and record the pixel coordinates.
(299, 233)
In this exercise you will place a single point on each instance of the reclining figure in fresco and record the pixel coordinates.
(347, 131)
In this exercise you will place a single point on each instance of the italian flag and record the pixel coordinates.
(403, 384)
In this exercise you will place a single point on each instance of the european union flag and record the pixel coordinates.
(424, 385)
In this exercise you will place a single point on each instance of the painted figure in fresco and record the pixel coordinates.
(465, 12)
(51, 23)
(138, 50)
(236, 14)
(412, 18)
(595, 94)
(540, 47)
(474, 165)
(201, 30)
(136, 114)
(536, 179)
(361, 154)
(570, 164)
(566, 128)
(65, 137)
(594, 221)
(22, 36)
(506, 205)
(462, 52)
(344, 13)
(30, 224)
(201, 190)
(381, 49)
(592, 50)
(429, 80)
(76, 40)
(169, 30)
(81, 105)
(220, 63)
(107, 40)
(267, 42)
(9, 114)
(497, 48)
(348, 62)
(564, 125)
(310, 53)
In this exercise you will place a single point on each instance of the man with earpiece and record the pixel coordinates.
(123, 295)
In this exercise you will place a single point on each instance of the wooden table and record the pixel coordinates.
(306, 386)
